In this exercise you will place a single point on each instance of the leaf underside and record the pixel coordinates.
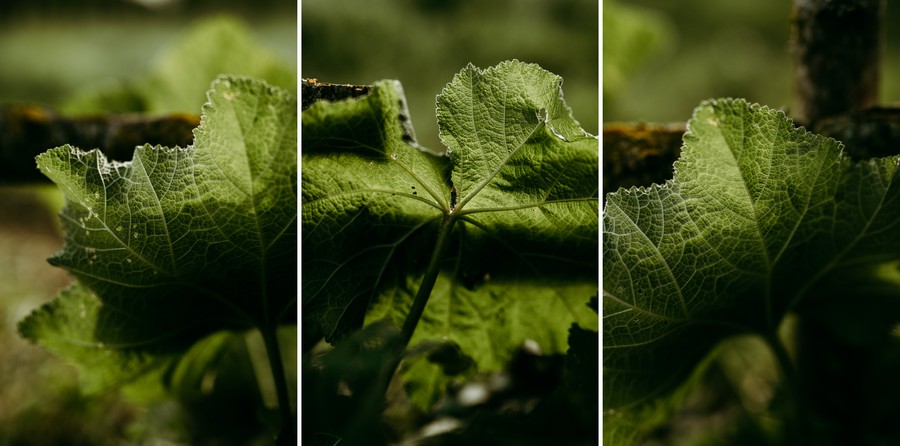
(760, 219)
(179, 242)
(519, 179)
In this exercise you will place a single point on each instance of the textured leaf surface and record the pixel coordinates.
(179, 242)
(520, 180)
(760, 219)
(366, 191)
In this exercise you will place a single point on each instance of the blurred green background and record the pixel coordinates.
(423, 43)
(79, 57)
(51, 49)
(662, 58)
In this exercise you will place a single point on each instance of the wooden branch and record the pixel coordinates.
(313, 91)
(639, 154)
(28, 130)
(866, 134)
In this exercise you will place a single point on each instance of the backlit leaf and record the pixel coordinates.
(761, 219)
(179, 242)
(518, 185)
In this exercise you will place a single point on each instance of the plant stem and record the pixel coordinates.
(797, 415)
(427, 285)
(288, 433)
(422, 295)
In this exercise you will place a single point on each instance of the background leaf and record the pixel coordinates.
(180, 74)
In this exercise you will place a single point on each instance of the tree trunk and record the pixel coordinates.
(837, 54)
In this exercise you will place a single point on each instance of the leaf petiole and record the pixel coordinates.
(288, 433)
(431, 275)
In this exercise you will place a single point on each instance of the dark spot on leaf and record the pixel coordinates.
(470, 281)
(451, 359)
(535, 373)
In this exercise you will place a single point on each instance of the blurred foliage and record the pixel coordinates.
(52, 50)
(95, 43)
(423, 43)
(179, 77)
(537, 399)
(122, 7)
(677, 54)
(631, 36)
(704, 50)
(890, 71)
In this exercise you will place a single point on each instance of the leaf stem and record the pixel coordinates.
(422, 295)
(427, 285)
(797, 413)
(288, 434)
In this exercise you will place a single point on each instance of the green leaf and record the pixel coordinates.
(179, 242)
(492, 319)
(181, 73)
(366, 191)
(66, 325)
(515, 199)
(761, 219)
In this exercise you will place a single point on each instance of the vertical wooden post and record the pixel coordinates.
(837, 56)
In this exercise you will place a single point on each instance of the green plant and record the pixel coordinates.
(466, 254)
(765, 226)
(176, 80)
(181, 253)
